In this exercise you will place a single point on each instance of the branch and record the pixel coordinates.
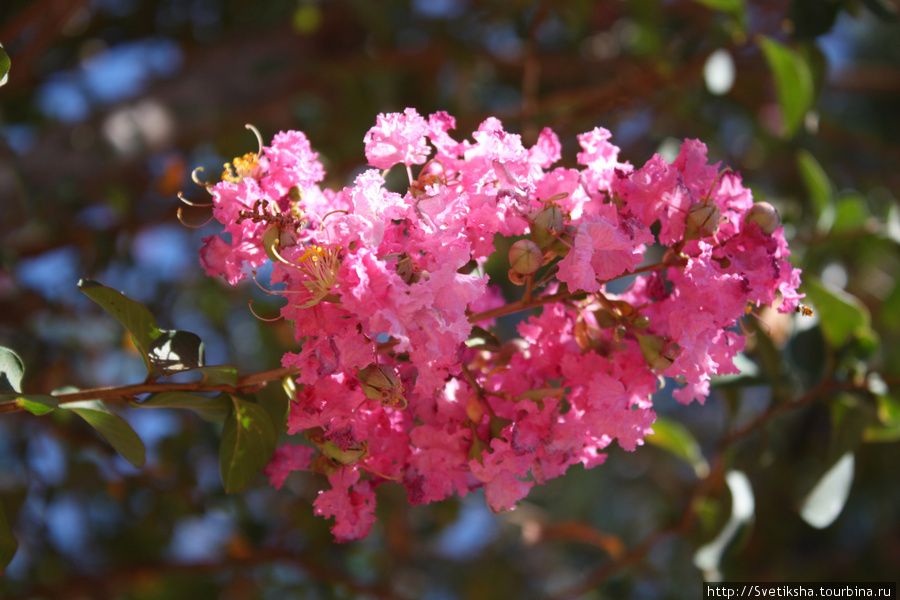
(125, 392)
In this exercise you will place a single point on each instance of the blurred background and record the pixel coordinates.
(110, 104)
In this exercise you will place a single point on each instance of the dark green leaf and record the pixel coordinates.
(675, 438)
(793, 83)
(133, 315)
(819, 188)
(840, 314)
(113, 428)
(8, 544)
(482, 339)
(176, 351)
(214, 410)
(248, 441)
(11, 371)
(883, 9)
(708, 557)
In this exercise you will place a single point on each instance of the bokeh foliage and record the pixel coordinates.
(110, 104)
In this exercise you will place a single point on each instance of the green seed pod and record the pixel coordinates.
(380, 383)
(702, 221)
(564, 242)
(525, 257)
(764, 215)
(642, 322)
(546, 224)
(653, 347)
(345, 457)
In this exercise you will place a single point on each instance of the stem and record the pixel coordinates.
(128, 391)
(528, 302)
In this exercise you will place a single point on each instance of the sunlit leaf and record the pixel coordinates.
(113, 428)
(133, 315)
(214, 410)
(888, 427)
(248, 441)
(176, 351)
(676, 439)
(4, 66)
(708, 557)
(8, 543)
(11, 371)
(819, 188)
(732, 6)
(826, 500)
(37, 404)
(840, 314)
(793, 83)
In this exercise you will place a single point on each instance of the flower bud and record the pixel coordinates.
(641, 322)
(546, 224)
(764, 215)
(380, 383)
(702, 221)
(657, 351)
(525, 257)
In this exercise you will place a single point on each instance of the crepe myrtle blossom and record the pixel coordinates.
(400, 378)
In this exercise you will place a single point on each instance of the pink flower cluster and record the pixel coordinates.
(400, 377)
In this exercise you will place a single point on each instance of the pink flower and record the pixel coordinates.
(397, 138)
(351, 502)
(604, 248)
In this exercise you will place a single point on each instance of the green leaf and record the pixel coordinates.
(819, 188)
(248, 442)
(11, 371)
(214, 410)
(176, 351)
(36, 404)
(8, 543)
(826, 500)
(675, 438)
(133, 315)
(4, 66)
(840, 314)
(793, 83)
(218, 374)
(850, 212)
(888, 428)
(113, 428)
(731, 6)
